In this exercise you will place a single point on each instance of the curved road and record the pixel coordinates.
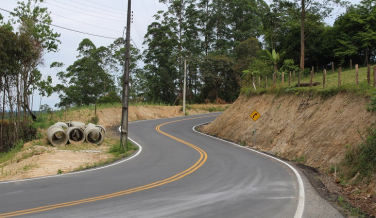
(178, 173)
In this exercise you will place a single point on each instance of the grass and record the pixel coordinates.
(353, 211)
(8, 156)
(331, 87)
(361, 159)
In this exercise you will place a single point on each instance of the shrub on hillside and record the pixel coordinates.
(361, 160)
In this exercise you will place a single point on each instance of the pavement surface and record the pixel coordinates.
(176, 173)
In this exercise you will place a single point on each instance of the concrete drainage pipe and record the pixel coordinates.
(94, 134)
(76, 123)
(75, 134)
(56, 135)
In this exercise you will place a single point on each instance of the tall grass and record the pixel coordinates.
(6, 156)
(360, 161)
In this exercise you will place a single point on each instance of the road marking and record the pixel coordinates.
(193, 168)
(301, 201)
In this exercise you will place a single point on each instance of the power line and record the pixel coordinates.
(70, 29)
(94, 7)
(146, 10)
(82, 32)
(85, 23)
(85, 13)
(104, 5)
(80, 9)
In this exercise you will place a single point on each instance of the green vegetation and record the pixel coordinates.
(353, 211)
(372, 105)
(119, 151)
(331, 88)
(360, 161)
(8, 156)
(59, 171)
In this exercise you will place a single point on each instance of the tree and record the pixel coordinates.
(357, 32)
(320, 8)
(36, 31)
(220, 80)
(86, 79)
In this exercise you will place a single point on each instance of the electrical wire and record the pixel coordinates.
(86, 23)
(83, 9)
(79, 12)
(82, 32)
(146, 11)
(72, 30)
(104, 5)
(94, 7)
(69, 28)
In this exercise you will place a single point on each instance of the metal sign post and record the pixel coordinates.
(254, 135)
(255, 116)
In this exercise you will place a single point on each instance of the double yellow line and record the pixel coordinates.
(194, 167)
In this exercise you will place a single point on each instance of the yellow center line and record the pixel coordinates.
(194, 167)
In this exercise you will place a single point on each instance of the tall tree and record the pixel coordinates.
(35, 27)
(86, 79)
(357, 30)
(322, 8)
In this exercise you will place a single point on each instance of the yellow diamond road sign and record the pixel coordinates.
(255, 115)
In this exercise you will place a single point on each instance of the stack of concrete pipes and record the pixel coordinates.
(73, 132)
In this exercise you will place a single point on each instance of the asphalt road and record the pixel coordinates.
(176, 173)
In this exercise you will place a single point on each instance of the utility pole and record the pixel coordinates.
(125, 94)
(185, 86)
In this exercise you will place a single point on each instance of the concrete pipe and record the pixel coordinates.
(93, 134)
(75, 134)
(57, 136)
(61, 124)
(76, 123)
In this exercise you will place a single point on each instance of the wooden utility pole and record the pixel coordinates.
(184, 85)
(125, 94)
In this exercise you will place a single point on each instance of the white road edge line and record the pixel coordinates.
(301, 202)
(84, 171)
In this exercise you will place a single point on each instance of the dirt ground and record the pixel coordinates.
(306, 130)
(38, 158)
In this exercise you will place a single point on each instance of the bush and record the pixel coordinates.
(372, 105)
(362, 159)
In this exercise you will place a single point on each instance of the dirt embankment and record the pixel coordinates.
(312, 130)
(309, 130)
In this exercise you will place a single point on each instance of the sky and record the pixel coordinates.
(97, 17)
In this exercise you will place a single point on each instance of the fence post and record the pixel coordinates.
(266, 81)
(274, 78)
(313, 69)
(339, 76)
(260, 81)
(356, 74)
(293, 79)
(374, 76)
(311, 79)
(351, 64)
(323, 78)
(283, 78)
(369, 74)
(332, 67)
(290, 79)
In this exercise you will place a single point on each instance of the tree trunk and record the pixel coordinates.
(369, 74)
(356, 74)
(302, 39)
(339, 76)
